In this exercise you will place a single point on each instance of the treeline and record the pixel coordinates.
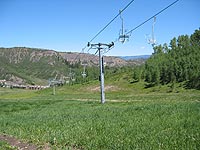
(177, 62)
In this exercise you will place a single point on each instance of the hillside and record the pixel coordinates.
(25, 65)
(36, 66)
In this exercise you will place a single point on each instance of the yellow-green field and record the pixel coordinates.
(75, 119)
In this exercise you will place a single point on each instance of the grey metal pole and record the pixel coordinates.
(101, 75)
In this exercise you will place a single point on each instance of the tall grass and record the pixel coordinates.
(141, 121)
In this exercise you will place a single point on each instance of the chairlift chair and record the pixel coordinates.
(84, 64)
(122, 36)
(152, 40)
(84, 75)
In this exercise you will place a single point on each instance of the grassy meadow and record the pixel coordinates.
(132, 117)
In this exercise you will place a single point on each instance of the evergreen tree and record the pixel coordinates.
(177, 63)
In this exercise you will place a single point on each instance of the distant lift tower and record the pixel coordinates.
(71, 76)
(53, 83)
(99, 48)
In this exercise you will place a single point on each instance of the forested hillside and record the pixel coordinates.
(23, 65)
(177, 62)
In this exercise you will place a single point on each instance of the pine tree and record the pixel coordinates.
(177, 63)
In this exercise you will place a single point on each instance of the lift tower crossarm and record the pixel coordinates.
(98, 45)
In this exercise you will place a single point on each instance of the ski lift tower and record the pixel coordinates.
(53, 83)
(71, 76)
(100, 47)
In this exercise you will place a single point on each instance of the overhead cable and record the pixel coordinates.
(83, 49)
(129, 32)
(111, 21)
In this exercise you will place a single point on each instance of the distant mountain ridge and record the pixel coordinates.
(135, 57)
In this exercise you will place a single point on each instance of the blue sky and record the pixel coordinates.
(66, 25)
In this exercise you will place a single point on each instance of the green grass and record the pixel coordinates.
(6, 93)
(5, 146)
(74, 118)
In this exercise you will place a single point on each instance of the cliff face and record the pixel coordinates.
(20, 54)
(30, 65)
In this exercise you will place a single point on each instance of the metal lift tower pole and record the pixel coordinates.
(101, 77)
(101, 67)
